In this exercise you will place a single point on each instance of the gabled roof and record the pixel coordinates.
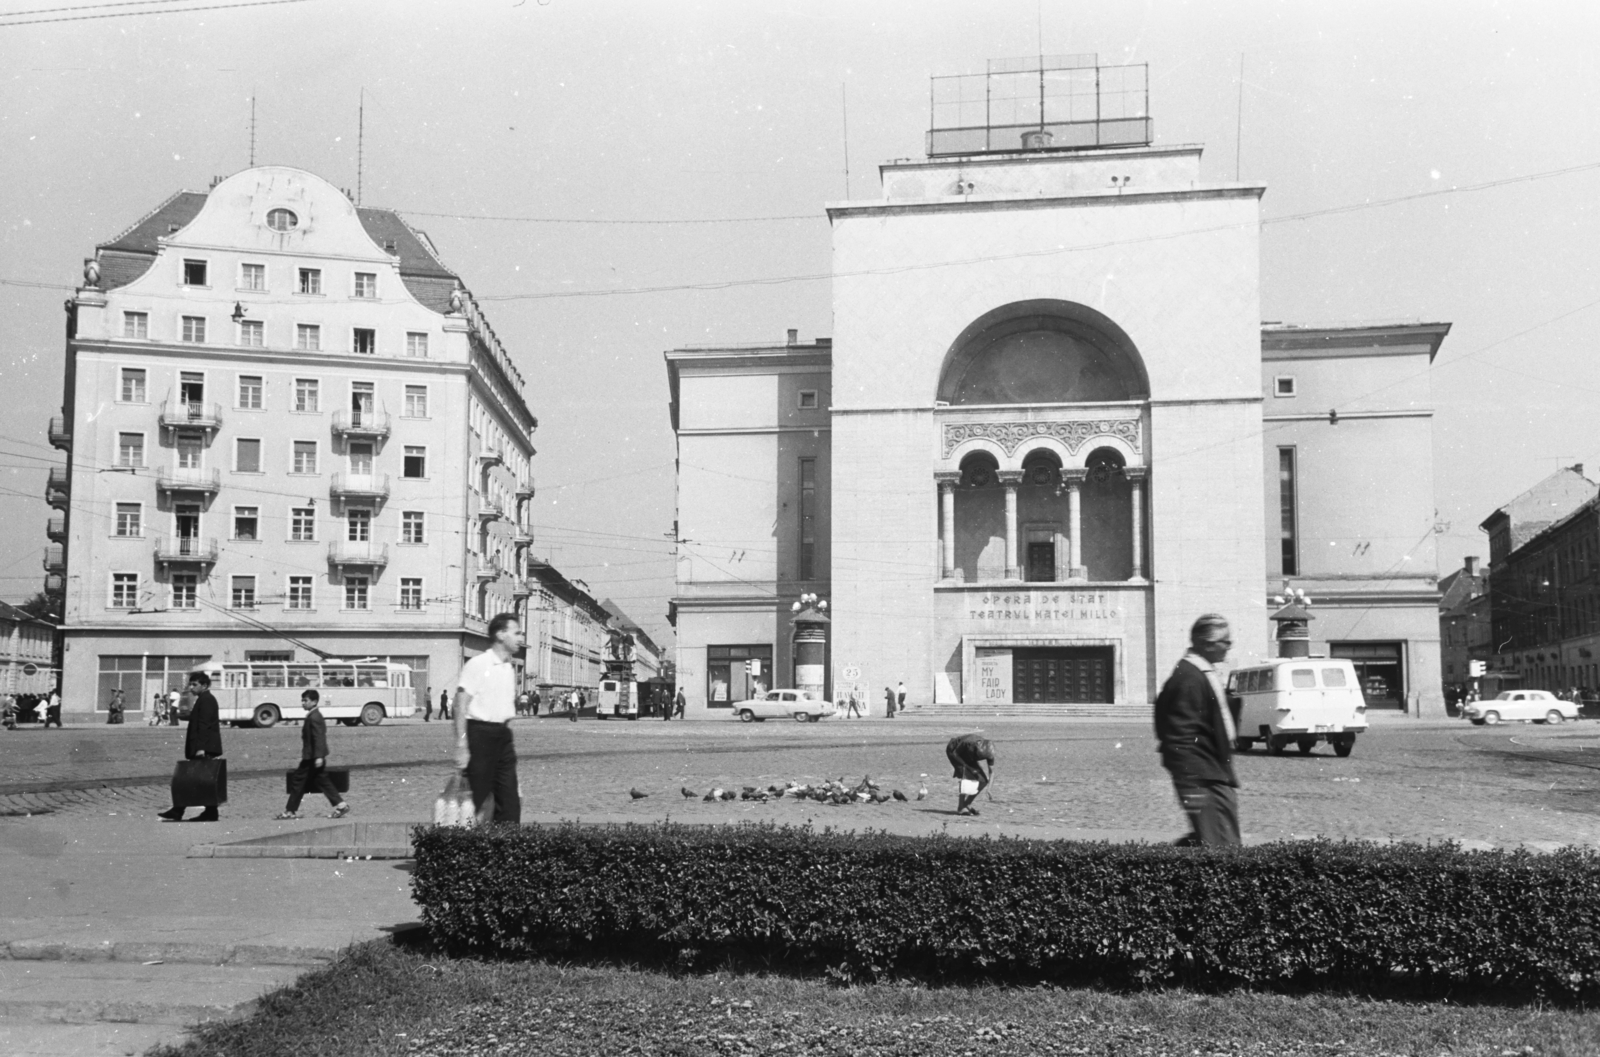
(11, 612)
(160, 222)
(1549, 501)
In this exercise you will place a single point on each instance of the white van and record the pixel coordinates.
(617, 697)
(1298, 699)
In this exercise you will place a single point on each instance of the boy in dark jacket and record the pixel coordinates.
(313, 759)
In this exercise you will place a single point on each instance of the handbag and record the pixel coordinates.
(339, 776)
(200, 783)
(454, 806)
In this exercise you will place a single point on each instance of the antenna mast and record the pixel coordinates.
(844, 105)
(252, 128)
(361, 133)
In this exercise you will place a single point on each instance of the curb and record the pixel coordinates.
(175, 1014)
(240, 954)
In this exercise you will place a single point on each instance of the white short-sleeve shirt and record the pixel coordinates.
(491, 683)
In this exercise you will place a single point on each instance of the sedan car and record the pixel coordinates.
(804, 705)
(1540, 706)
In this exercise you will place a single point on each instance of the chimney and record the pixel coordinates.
(794, 339)
(1472, 565)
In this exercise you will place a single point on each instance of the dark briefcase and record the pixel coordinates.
(200, 783)
(339, 776)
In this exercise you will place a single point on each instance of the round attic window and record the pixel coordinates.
(281, 219)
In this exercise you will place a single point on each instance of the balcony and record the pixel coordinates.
(359, 486)
(179, 414)
(490, 457)
(363, 553)
(55, 559)
(194, 550)
(55, 585)
(189, 479)
(489, 510)
(56, 529)
(521, 590)
(523, 537)
(525, 491)
(485, 572)
(55, 488)
(373, 424)
(59, 437)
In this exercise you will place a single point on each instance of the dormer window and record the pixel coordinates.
(194, 273)
(282, 219)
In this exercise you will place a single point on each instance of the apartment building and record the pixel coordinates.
(291, 432)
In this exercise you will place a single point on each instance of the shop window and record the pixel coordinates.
(737, 673)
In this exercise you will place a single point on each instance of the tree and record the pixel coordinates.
(42, 606)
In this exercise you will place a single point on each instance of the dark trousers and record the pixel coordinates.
(492, 769)
(307, 774)
(427, 711)
(52, 715)
(1213, 810)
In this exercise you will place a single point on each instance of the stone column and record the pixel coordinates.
(1136, 476)
(947, 481)
(1074, 479)
(1011, 479)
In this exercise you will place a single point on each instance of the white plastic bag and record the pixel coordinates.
(454, 805)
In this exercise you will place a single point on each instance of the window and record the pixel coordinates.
(366, 284)
(130, 519)
(808, 518)
(194, 329)
(250, 387)
(252, 277)
(306, 394)
(244, 592)
(1302, 678)
(184, 591)
(192, 390)
(360, 459)
(416, 461)
(124, 590)
(1286, 512)
(416, 344)
(1283, 385)
(130, 450)
(133, 385)
(736, 673)
(305, 456)
(299, 592)
(411, 592)
(303, 523)
(136, 324)
(252, 334)
(189, 453)
(358, 526)
(281, 219)
(355, 592)
(411, 527)
(310, 281)
(246, 523)
(363, 341)
(194, 273)
(247, 455)
(308, 337)
(808, 399)
(416, 401)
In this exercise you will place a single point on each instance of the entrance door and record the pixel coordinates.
(1378, 669)
(361, 400)
(360, 459)
(192, 391)
(1061, 676)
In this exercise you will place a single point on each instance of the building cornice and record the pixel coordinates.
(1347, 415)
(292, 357)
(1009, 203)
(1283, 342)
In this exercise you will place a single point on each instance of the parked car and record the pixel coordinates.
(804, 705)
(1537, 706)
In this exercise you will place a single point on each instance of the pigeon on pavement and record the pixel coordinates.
(637, 795)
(898, 795)
(688, 794)
(922, 791)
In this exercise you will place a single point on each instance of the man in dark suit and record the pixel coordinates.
(1196, 734)
(203, 739)
(313, 761)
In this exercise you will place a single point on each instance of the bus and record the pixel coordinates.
(261, 693)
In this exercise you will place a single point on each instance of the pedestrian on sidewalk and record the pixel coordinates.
(174, 712)
(900, 696)
(427, 706)
(114, 712)
(313, 762)
(52, 709)
(1196, 733)
(485, 705)
(202, 741)
(967, 753)
(888, 702)
(444, 704)
(853, 704)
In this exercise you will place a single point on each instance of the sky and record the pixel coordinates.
(604, 110)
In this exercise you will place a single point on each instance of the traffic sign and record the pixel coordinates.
(30, 669)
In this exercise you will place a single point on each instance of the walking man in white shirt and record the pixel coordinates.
(486, 701)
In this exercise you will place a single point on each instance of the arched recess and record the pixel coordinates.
(1107, 516)
(1042, 351)
(1042, 510)
(980, 519)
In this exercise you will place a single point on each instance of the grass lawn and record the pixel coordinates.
(383, 999)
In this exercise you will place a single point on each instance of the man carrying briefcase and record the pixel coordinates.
(202, 744)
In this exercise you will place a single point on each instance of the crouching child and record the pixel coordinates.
(313, 761)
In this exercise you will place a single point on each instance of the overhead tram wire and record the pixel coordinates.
(159, 11)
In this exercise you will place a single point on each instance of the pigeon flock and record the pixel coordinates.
(837, 792)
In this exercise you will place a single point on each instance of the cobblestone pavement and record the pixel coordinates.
(1415, 780)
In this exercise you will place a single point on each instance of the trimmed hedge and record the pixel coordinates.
(1399, 919)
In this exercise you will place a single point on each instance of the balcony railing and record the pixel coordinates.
(363, 552)
(359, 486)
(525, 491)
(55, 584)
(59, 437)
(189, 479)
(485, 572)
(521, 590)
(180, 414)
(490, 457)
(56, 529)
(200, 550)
(55, 488)
(55, 559)
(523, 537)
(361, 424)
(490, 510)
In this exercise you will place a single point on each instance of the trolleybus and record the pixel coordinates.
(260, 693)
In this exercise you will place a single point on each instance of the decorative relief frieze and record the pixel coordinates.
(1071, 434)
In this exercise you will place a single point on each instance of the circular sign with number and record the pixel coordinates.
(852, 672)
